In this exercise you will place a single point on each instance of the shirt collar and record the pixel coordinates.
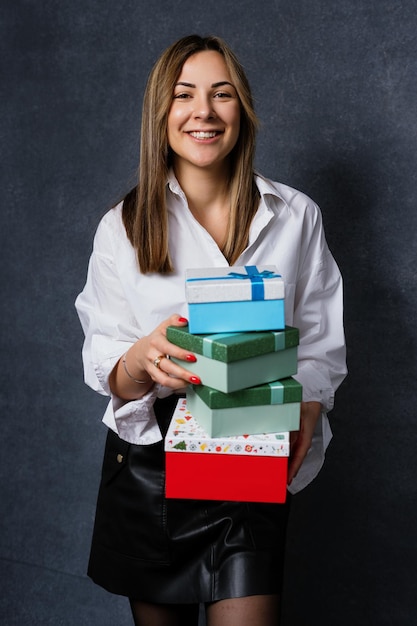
(265, 186)
(271, 202)
(173, 183)
(269, 188)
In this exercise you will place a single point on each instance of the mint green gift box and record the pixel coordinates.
(233, 361)
(268, 408)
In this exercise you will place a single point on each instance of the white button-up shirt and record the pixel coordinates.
(119, 304)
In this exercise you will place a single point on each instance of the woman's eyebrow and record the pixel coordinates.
(213, 86)
(183, 84)
(221, 83)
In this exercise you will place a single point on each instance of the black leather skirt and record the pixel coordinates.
(162, 550)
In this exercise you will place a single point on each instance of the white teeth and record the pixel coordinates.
(203, 135)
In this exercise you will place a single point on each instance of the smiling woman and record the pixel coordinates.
(147, 227)
(204, 119)
(198, 203)
(203, 129)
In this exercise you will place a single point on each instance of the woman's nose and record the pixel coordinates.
(203, 108)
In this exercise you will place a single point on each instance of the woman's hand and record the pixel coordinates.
(300, 441)
(148, 361)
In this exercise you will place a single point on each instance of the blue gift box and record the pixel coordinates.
(235, 299)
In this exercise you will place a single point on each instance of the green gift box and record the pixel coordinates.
(268, 408)
(232, 361)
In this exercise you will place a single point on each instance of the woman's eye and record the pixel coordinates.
(222, 94)
(182, 96)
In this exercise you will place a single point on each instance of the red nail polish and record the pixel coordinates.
(190, 358)
(195, 380)
(183, 320)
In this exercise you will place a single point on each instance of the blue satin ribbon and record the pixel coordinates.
(208, 342)
(256, 278)
(277, 392)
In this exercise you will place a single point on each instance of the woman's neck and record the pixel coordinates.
(203, 188)
(208, 196)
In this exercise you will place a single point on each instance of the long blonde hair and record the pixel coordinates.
(145, 212)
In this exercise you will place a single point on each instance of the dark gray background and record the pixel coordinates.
(335, 88)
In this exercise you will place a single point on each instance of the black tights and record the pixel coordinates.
(248, 611)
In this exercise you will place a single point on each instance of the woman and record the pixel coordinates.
(198, 203)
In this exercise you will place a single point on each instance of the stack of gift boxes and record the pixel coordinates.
(229, 438)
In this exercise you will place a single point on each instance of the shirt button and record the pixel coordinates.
(120, 458)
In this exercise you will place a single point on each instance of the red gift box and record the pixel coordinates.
(257, 474)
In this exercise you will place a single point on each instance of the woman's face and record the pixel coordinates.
(204, 118)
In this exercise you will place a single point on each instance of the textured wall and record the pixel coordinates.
(335, 88)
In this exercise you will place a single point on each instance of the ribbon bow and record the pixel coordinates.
(256, 278)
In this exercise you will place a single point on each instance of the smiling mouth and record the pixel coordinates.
(204, 134)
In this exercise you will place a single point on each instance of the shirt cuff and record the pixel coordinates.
(104, 367)
(133, 420)
(316, 385)
(314, 460)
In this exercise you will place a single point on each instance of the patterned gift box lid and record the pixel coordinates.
(229, 347)
(186, 435)
(232, 284)
(281, 391)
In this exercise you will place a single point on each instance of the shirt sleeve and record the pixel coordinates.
(110, 329)
(318, 313)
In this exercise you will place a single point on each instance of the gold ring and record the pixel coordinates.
(158, 359)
